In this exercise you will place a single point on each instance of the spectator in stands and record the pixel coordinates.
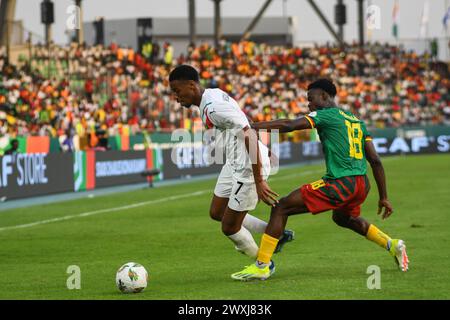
(155, 52)
(14, 147)
(434, 48)
(168, 54)
(119, 91)
(66, 141)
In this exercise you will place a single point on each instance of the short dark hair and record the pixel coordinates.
(184, 72)
(325, 85)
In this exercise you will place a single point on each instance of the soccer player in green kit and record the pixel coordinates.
(346, 146)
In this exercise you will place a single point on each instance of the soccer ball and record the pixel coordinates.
(131, 278)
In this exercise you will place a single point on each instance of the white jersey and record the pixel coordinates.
(218, 110)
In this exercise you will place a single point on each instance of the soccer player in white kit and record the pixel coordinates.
(242, 181)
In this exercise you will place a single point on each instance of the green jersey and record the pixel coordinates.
(343, 137)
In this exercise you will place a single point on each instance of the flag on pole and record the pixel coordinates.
(395, 19)
(369, 18)
(424, 20)
(446, 18)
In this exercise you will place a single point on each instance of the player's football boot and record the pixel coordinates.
(287, 236)
(397, 249)
(272, 267)
(253, 272)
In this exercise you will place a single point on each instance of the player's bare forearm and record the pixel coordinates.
(283, 125)
(249, 119)
(251, 139)
(380, 179)
(377, 168)
(384, 205)
(262, 188)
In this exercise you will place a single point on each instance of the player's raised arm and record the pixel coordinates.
(380, 178)
(262, 188)
(284, 125)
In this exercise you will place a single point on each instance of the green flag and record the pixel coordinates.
(395, 19)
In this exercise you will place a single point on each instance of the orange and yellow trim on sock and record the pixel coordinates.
(268, 245)
(376, 235)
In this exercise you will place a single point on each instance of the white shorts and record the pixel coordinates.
(241, 191)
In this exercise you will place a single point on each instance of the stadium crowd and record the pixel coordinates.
(81, 90)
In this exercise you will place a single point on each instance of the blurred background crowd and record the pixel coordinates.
(101, 91)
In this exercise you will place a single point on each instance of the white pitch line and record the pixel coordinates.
(139, 204)
(90, 213)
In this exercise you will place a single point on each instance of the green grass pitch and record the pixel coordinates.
(188, 257)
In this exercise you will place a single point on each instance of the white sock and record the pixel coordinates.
(245, 243)
(254, 224)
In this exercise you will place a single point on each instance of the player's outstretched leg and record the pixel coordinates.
(292, 204)
(398, 251)
(287, 236)
(253, 272)
(260, 270)
(256, 225)
(218, 207)
(396, 247)
(251, 223)
(242, 238)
